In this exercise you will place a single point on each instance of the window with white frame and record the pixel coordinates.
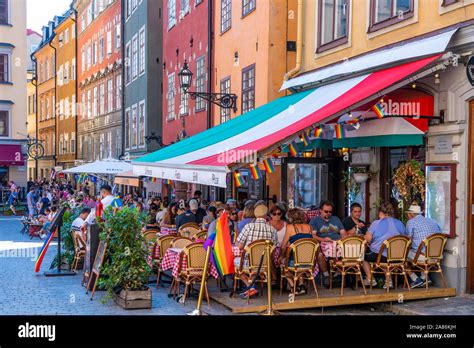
(226, 15)
(118, 143)
(89, 56)
(109, 144)
(184, 8)
(142, 50)
(4, 12)
(61, 39)
(4, 121)
(110, 95)
(4, 67)
(47, 69)
(141, 124)
(133, 127)
(102, 145)
(171, 13)
(117, 36)
(61, 144)
(61, 109)
(248, 6)
(73, 142)
(66, 73)
(102, 99)
(134, 57)
(46, 108)
(109, 42)
(127, 128)
(95, 102)
(66, 35)
(118, 91)
(128, 63)
(225, 88)
(89, 103)
(73, 69)
(183, 103)
(83, 60)
(66, 143)
(201, 82)
(170, 97)
(101, 49)
(128, 8)
(66, 107)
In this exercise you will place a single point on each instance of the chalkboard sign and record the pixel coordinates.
(99, 258)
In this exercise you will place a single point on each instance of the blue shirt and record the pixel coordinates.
(329, 228)
(244, 222)
(419, 228)
(382, 230)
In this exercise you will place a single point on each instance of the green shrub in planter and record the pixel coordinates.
(125, 265)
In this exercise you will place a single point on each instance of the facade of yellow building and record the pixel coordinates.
(65, 43)
(254, 47)
(341, 32)
(13, 94)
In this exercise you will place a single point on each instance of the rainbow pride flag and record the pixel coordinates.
(340, 131)
(153, 179)
(294, 149)
(256, 174)
(305, 138)
(318, 132)
(239, 181)
(168, 182)
(43, 251)
(221, 244)
(268, 164)
(377, 108)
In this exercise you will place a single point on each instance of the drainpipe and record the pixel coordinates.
(299, 44)
(209, 79)
(122, 48)
(76, 82)
(33, 58)
(55, 156)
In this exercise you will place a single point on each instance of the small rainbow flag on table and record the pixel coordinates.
(268, 164)
(377, 108)
(293, 148)
(340, 131)
(256, 174)
(239, 181)
(305, 138)
(222, 256)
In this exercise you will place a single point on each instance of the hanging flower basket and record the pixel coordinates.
(360, 178)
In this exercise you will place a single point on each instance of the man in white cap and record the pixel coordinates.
(418, 228)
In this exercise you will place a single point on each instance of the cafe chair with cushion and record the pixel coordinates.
(195, 260)
(180, 242)
(79, 250)
(254, 250)
(304, 251)
(162, 244)
(397, 251)
(430, 260)
(351, 260)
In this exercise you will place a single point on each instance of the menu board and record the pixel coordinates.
(440, 196)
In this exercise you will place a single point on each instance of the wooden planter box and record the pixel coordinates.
(133, 299)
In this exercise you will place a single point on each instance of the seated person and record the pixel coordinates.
(78, 225)
(379, 231)
(151, 225)
(327, 226)
(418, 228)
(353, 224)
(46, 221)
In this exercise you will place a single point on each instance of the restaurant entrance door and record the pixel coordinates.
(470, 203)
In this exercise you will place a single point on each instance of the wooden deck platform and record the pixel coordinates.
(327, 298)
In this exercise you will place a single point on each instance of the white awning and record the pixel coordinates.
(375, 61)
(104, 167)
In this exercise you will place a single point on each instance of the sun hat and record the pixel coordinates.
(414, 209)
(260, 211)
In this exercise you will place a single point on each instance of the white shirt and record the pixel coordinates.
(77, 224)
(106, 201)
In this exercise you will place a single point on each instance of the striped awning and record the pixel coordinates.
(205, 157)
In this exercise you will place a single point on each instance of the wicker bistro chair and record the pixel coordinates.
(397, 252)
(304, 251)
(202, 235)
(189, 232)
(433, 246)
(184, 229)
(352, 256)
(180, 242)
(254, 250)
(163, 243)
(79, 250)
(150, 235)
(195, 260)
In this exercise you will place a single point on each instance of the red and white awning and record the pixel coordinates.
(204, 157)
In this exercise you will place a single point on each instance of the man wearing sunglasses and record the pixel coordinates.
(327, 226)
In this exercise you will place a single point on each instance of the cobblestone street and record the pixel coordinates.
(22, 292)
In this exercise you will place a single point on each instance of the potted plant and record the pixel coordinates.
(409, 180)
(125, 269)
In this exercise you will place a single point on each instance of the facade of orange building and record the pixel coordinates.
(65, 43)
(45, 57)
(99, 67)
(254, 48)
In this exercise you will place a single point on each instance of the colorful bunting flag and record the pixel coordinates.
(377, 108)
(294, 149)
(305, 138)
(268, 164)
(255, 171)
(239, 181)
(153, 179)
(340, 131)
(318, 132)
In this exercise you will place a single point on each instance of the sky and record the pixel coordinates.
(40, 12)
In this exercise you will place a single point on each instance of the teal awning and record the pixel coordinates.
(388, 140)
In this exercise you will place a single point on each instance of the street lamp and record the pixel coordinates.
(223, 100)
